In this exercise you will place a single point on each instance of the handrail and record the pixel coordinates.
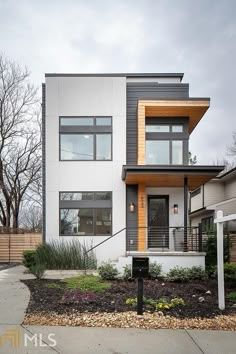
(107, 239)
(137, 228)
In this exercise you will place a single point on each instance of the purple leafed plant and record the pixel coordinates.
(77, 296)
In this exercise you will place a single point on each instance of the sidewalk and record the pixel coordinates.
(14, 297)
(77, 340)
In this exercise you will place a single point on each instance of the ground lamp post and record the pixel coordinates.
(140, 270)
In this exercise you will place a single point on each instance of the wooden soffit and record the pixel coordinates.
(170, 177)
(194, 109)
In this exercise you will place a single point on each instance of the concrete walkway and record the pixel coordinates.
(14, 297)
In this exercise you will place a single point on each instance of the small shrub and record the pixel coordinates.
(29, 258)
(178, 274)
(155, 270)
(87, 283)
(196, 273)
(230, 271)
(232, 296)
(177, 301)
(131, 301)
(210, 247)
(37, 270)
(107, 271)
(211, 271)
(127, 274)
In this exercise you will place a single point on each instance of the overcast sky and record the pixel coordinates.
(197, 38)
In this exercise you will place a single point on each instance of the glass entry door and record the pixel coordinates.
(158, 222)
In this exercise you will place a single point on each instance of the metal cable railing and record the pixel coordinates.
(153, 239)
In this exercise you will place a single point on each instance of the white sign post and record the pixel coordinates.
(220, 261)
(220, 255)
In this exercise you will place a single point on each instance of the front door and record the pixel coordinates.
(158, 221)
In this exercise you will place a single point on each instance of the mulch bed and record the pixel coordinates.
(108, 309)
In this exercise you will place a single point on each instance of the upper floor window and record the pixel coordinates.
(164, 142)
(86, 138)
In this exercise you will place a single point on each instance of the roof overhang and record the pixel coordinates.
(193, 108)
(169, 176)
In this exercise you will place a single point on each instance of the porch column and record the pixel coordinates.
(185, 214)
(142, 217)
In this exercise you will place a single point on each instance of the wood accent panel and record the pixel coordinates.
(13, 245)
(194, 109)
(142, 207)
(167, 180)
(233, 248)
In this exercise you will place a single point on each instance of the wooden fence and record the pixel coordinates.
(13, 245)
(233, 248)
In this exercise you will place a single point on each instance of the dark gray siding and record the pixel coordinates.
(43, 159)
(149, 90)
(131, 218)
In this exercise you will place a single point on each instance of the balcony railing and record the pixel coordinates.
(164, 239)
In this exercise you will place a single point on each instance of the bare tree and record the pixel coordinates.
(231, 150)
(20, 160)
(31, 218)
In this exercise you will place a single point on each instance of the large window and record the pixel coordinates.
(165, 142)
(86, 138)
(85, 213)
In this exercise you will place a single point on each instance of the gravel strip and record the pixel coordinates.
(130, 320)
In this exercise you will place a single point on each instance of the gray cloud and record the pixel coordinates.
(194, 37)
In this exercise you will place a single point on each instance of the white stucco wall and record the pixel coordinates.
(86, 96)
(167, 261)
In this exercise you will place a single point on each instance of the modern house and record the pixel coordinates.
(115, 161)
(217, 194)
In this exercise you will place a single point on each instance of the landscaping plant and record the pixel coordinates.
(107, 271)
(230, 271)
(178, 274)
(232, 296)
(181, 274)
(159, 304)
(66, 255)
(210, 247)
(87, 283)
(29, 258)
(127, 274)
(197, 273)
(155, 270)
(37, 270)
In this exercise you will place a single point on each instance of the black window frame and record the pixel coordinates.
(207, 224)
(93, 204)
(93, 130)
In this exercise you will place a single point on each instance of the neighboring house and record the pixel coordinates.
(217, 194)
(115, 161)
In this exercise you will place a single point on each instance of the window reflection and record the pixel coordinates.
(103, 147)
(86, 221)
(76, 147)
(157, 152)
(177, 152)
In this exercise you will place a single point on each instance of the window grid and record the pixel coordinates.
(102, 126)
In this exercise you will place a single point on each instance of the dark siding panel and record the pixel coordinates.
(152, 90)
(132, 218)
(43, 159)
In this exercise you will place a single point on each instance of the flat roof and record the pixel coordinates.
(169, 175)
(128, 75)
